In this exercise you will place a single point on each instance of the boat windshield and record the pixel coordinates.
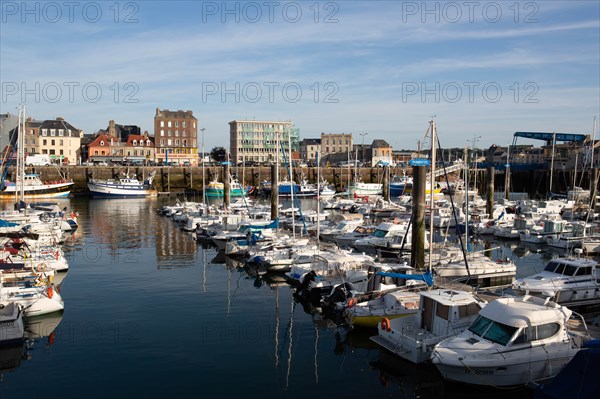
(492, 330)
(379, 233)
(551, 266)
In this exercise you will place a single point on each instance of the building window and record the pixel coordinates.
(52, 132)
(176, 133)
(134, 142)
(162, 141)
(183, 124)
(102, 142)
(61, 152)
(53, 142)
(194, 125)
(44, 142)
(60, 142)
(61, 132)
(162, 132)
(44, 151)
(169, 124)
(44, 132)
(170, 133)
(176, 123)
(162, 123)
(176, 141)
(148, 143)
(183, 133)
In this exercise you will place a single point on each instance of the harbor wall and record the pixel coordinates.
(171, 179)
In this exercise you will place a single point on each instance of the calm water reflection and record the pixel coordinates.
(148, 313)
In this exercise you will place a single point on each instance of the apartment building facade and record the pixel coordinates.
(258, 141)
(176, 136)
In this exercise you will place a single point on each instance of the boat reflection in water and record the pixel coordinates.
(39, 330)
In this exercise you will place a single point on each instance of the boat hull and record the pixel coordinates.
(508, 374)
(371, 321)
(42, 191)
(107, 191)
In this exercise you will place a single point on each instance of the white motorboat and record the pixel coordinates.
(126, 186)
(483, 271)
(11, 323)
(34, 300)
(348, 239)
(344, 226)
(441, 314)
(563, 279)
(513, 341)
(383, 234)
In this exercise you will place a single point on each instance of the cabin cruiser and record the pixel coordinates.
(563, 279)
(513, 341)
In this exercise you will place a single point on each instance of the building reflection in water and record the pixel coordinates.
(174, 247)
(127, 226)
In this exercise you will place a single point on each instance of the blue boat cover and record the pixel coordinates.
(578, 380)
(273, 225)
(426, 277)
(5, 223)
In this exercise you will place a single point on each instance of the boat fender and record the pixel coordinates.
(385, 324)
(50, 292)
(351, 302)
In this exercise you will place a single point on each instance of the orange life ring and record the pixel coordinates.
(385, 324)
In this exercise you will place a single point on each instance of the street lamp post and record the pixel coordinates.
(363, 134)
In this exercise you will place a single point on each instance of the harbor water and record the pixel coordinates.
(149, 313)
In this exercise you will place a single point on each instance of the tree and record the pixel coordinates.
(219, 154)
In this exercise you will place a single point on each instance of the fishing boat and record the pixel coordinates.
(216, 188)
(126, 186)
(34, 187)
(303, 190)
(513, 341)
(399, 185)
(28, 185)
(360, 188)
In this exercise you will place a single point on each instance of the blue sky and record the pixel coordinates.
(382, 67)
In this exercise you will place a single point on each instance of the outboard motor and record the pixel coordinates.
(308, 278)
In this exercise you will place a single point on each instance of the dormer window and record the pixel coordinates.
(147, 143)
(102, 142)
(134, 142)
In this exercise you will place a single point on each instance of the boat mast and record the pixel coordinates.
(292, 184)
(552, 160)
(431, 191)
(318, 200)
(467, 197)
(203, 174)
